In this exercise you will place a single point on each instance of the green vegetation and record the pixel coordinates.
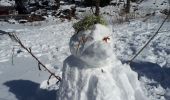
(88, 21)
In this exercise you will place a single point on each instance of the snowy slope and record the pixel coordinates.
(130, 38)
(50, 46)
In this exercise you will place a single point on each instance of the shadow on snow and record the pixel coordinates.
(154, 72)
(28, 90)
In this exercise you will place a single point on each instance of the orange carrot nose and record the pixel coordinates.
(105, 39)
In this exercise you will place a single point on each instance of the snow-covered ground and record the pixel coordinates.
(49, 42)
(6, 3)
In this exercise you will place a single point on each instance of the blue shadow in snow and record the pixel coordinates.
(153, 71)
(28, 90)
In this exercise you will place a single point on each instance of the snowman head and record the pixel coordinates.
(93, 46)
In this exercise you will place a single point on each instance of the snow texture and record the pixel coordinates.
(110, 80)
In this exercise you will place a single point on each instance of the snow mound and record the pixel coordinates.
(109, 81)
(113, 81)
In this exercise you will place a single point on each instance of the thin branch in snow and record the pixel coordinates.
(49, 79)
(149, 39)
(39, 66)
(12, 56)
(16, 39)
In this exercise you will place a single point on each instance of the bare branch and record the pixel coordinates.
(15, 38)
(49, 79)
(13, 55)
(39, 66)
(154, 35)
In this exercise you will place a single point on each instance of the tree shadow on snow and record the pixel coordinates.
(154, 72)
(28, 90)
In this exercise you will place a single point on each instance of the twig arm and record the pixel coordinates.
(15, 37)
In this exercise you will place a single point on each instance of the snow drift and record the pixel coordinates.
(94, 73)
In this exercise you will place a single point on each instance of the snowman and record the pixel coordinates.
(93, 72)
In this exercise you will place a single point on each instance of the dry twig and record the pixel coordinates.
(13, 55)
(40, 64)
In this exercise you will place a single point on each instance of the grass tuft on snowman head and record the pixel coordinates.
(87, 22)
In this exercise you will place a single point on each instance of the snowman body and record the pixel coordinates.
(93, 72)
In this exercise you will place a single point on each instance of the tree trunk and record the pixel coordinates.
(20, 7)
(127, 9)
(97, 5)
(57, 4)
(73, 1)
